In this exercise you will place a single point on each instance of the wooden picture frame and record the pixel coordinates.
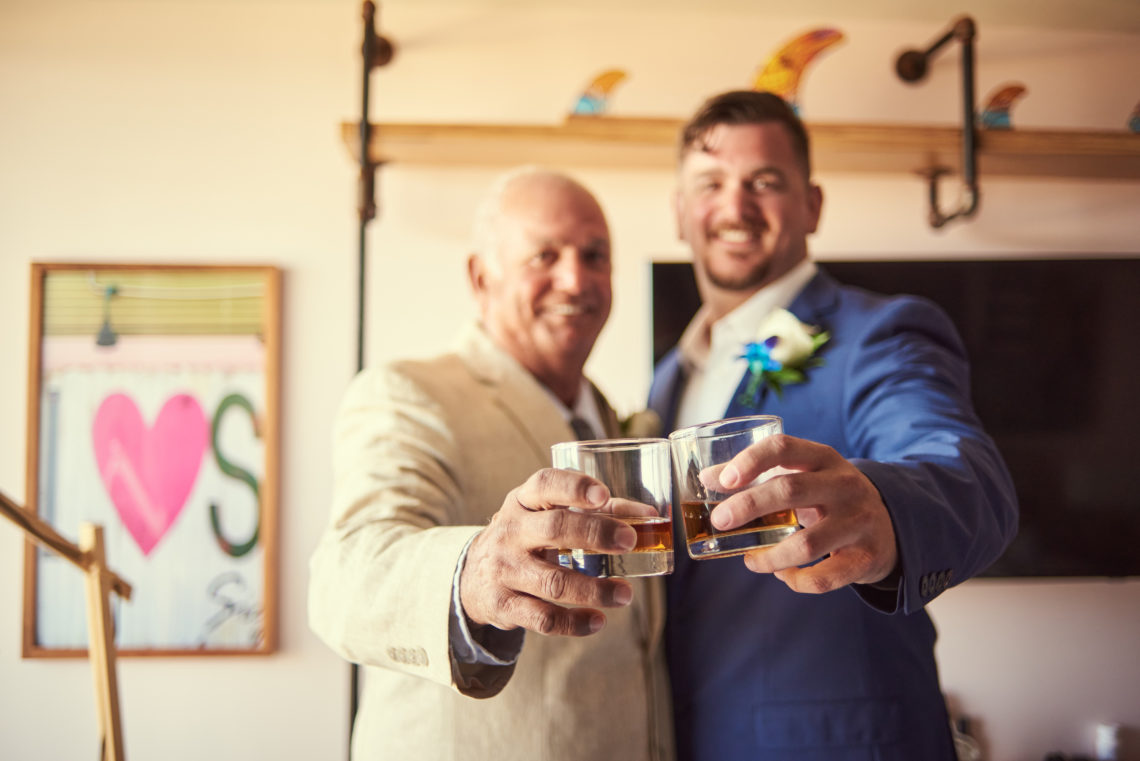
(153, 395)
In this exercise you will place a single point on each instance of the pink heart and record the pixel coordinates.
(149, 472)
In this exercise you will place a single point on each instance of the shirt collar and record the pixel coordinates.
(737, 325)
(585, 406)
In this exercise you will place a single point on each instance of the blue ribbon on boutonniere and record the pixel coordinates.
(785, 352)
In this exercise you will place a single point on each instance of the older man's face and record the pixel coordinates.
(547, 297)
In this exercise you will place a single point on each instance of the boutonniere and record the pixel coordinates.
(645, 424)
(786, 350)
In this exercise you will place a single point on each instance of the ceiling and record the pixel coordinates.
(1089, 15)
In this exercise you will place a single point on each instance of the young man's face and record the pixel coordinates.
(745, 206)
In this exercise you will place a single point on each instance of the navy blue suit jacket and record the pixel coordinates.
(761, 672)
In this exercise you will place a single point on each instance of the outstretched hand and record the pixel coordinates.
(844, 518)
(507, 583)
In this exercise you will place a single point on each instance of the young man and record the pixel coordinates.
(819, 647)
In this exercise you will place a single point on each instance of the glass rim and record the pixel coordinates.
(614, 445)
(708, 429)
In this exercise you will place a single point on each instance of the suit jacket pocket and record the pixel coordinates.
(834, 724)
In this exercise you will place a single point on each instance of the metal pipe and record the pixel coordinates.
(969, 119)
(911, 66)
(375, 51)
(366, 184)
(366, 211)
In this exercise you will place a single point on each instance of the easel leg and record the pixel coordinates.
(101, 644)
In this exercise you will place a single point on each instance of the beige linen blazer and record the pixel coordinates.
(424, 454)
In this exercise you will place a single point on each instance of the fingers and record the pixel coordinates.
(618, 506)
(847, 558)
(553, 488)
(852, 565)
(562, 585)
(584, 531)
(510, 589)
(847, 528)
(786, 559)
(544, 618)
(506, 580)
(787, 553)
(780, 450)
(547, 492)
(710, 478)
(852, 546)
(786, 491)
(579, 595)
(837, 486)
(813, 580)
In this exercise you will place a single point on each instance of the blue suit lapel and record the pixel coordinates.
(817, 301)
(741, 404)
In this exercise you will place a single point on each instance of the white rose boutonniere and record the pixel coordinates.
(786, 350)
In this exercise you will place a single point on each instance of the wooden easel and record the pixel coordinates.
(89, 556)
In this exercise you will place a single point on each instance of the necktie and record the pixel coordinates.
(582, 429)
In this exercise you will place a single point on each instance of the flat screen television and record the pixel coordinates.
(1055, 366)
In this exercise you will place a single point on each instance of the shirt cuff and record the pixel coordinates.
(474, 643)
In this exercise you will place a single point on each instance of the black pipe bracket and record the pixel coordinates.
(912, 67)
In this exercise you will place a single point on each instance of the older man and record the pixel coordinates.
(433, 562)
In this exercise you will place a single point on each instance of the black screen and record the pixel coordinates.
(1055, 378)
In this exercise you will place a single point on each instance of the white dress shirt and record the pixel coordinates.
(585, 407)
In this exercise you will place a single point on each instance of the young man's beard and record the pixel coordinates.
(750, 280)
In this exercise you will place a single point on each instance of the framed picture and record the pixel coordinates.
(153, 412)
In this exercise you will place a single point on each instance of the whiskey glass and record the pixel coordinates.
(639, 476)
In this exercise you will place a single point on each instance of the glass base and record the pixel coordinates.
(727, 545)
(629, 565)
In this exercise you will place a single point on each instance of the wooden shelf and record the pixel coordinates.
(627, 143)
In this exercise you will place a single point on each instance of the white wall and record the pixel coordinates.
(180, 131)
